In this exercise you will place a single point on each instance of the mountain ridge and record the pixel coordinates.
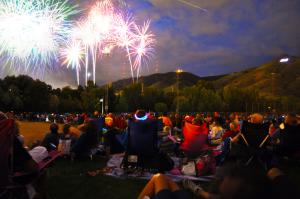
(270, 79)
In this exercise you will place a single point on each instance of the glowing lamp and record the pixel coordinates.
(284, 60)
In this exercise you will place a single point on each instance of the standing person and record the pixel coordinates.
(51, 140)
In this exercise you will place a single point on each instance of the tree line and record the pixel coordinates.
(24, 94)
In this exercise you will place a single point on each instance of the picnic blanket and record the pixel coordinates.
(114, 169)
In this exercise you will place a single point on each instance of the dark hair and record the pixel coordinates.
(140, 113)
(54, 128)
(250, 183)
(92, 133)
(66, 128)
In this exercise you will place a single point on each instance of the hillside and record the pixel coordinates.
(165, 80)
(272, 78)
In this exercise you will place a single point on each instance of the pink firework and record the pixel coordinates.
(104, 28)
(143, 48)
(125, 37)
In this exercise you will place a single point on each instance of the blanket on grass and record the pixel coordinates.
(114, 169)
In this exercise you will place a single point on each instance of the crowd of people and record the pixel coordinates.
(189, 136)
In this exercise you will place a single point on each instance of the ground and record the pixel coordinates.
(33, 131)
(67, 179)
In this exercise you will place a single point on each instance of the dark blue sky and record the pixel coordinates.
(206, 37)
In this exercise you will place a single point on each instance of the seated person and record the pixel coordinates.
(226, 141)
(216, 133)
(120, 123)
(289, 137)
(66, 140)
(250, 146)
(68, 134)
(166, 120)
(195, 138)
(112, 144)
(234, 129)
(143, 145)
(87, 141)
(162, 187)
(247, 183)
(19, 161)
(177, 121)
(166, 145)
(51, 139)
(255, 118)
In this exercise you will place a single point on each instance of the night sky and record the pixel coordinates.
(205, 37)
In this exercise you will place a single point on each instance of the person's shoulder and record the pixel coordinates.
(47, 135)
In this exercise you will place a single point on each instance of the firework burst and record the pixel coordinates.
(31, 32)
(37, 34)
(143, 49)
(73, 55)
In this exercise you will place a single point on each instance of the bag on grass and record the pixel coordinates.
(189, 169)
(205, 165)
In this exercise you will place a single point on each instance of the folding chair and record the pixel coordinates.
(289, 141)
(13, 184)
(195, 139)
(65, 146)
(255, 137)
(142, 146)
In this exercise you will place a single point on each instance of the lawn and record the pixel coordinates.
(33, 131)
(67, 179)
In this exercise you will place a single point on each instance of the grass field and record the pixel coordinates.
(68, 179)
(34, 130)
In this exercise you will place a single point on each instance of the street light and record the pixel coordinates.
(101, 100)
(284, 60)
(106, 51)
(178, 72)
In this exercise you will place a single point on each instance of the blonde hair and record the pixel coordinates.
(291, 119)
(234, 126)
(256, 118)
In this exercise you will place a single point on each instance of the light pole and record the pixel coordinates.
(106, 51)
(283, 60)
(273, 88)
(106, 98)
(178, 72)
(102, 110)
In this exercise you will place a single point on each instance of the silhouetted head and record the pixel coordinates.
(66, 128)
(54, 128)
(245, 183)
